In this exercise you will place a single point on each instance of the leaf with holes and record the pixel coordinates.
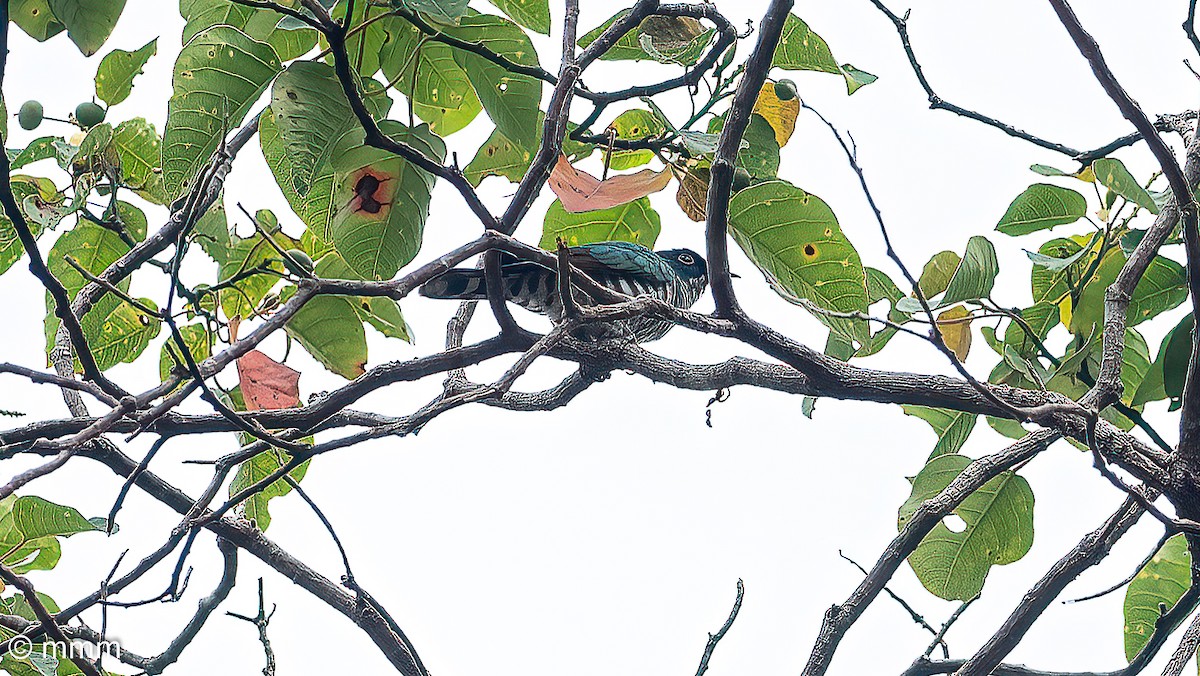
(1042, 206)
(218, 75)
(998, 529)
(312, 114)
(316, 209)
(634, 125)
(532, 14)
(635, 221)
(511, 100)
(1157, 587)
(382, 201)
(114, 77)
(795, 240)
(139, 151)
(428, 74)
(35, 18)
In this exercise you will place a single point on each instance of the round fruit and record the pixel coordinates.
(741, 179)
(785, 90)
(88, 114)
(298, 262)
(30, 115)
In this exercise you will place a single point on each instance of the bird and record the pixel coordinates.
(675, 276)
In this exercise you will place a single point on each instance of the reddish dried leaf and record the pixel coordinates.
(267, 384)
(580, 191)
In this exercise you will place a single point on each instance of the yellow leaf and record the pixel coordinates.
(1064, 310)
(781, 115)
(955, 326)
(1086, 175)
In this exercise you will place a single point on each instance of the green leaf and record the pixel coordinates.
(1162, 287)
(10, 245)
(532, 14)
(219, 74)
(936, 274)
(635, 221)
(1040, 317)
(243, 256)
(37, 150)
(316, 208)
(114, 77)
(1156, 588)
(634, 125)
(499, 156)
(951, 427)
(759, 154)
(795, 239)
(30, 528)
(331, 331)
(428, 74)
(999, 529)
(35, 18)
(800, 48)
(976, 273)
(381, 312)
(88, 22)
(117, 332)
(140, 153)
(256, 469)
(1042, 206)
(1113, 175)
(445, 11)
(199, 343)
(259, 24)
(511, 100)
(312, 114)
(382, 202)
(1174, 355)
(856, 79)
(93, 247)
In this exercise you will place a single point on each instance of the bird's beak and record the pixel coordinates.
(735, 275)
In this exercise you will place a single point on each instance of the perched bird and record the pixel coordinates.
(676, 276)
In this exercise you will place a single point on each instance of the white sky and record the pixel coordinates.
(607, 537)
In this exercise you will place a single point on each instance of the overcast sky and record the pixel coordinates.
(607, 537)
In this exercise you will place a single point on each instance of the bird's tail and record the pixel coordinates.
(461, 284)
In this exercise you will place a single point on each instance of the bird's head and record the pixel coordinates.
(688, 264)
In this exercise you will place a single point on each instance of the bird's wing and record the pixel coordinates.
(622, 257)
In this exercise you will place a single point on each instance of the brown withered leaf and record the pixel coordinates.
(267, 384)
(692, 195)
(580, 191)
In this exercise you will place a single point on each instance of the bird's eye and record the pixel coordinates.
(686, 259)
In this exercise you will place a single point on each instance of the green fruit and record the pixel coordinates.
(88, 114)
(741, 179)
(30, 115)
(785, 90)
(298, 262)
